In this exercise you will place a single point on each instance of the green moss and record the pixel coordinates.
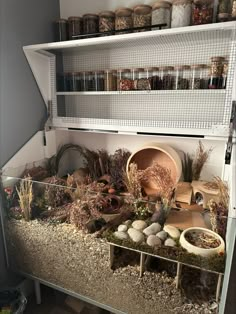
(214, 263)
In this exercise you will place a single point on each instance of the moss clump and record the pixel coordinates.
(214, 263)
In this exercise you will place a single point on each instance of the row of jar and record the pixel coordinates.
(178, 13)
(164, 78)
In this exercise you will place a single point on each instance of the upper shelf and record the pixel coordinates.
(131, 39)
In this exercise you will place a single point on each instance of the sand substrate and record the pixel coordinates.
(64, 256)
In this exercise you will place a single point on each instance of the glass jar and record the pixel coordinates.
(224, 6)
(181, 13)
(225, 74)
(84, 85)
(60, 30)
(223, 17)
(152, 74)
(205, 74)
(62, 82)
(91, 24)
(124, 80)
(99, 80)
(124, 20)
(202, 12)
(110, 80)
(182, 79)
(167, 77)
(75, 26)
(79, 81)
(142, 17)
(90, 82)
(161, 12)
(215, 82)
(106, 22)
(217, 66)
(234, 10)
(141, 82)
(197, 79)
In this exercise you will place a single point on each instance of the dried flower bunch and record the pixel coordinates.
(25, 194)
(133, 181)
(199, 161)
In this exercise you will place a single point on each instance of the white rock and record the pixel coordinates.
(172, 231)
(152, 240)
(136, 235)
(127, 223)
(121, 235)
(152, 229)
(170, 242)
(139, 224)
(122, 228)
(162, 235)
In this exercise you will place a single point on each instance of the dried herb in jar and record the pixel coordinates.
(142, 17)
(124, 20)
(106, 21)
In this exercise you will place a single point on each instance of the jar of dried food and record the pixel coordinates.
(167, 77)
(110, 80)
(225, 74)
(181, 13)
(223, 17)
(99, 80)
(202, 12)
(234, 10)
(152, 74)
(124, 80)
(107, 22)
(141, 82)
(84, 86)
(161, 12)
(124, 20)
(182, 78)
(217, 64)
(91, 24)
(90, 81)
(142, 17)
(60, 30)
(215, 82)
(197, 79)
(75, 26)
(224, 6)
(62, 82)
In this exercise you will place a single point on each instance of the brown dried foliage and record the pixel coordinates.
(199, 161)
(132, 181)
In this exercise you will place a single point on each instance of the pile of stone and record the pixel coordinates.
(153, 235)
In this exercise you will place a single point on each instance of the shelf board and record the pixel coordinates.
(127, 39)
(145, 92)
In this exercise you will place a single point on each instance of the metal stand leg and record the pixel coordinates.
(218, 289)
(178, 275)
(37, 291)
(111, 254)
(142, 264)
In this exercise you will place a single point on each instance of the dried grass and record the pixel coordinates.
(25, 194)
(132, 181)
(199, 161)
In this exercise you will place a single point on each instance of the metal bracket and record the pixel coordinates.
(232, 128)
(48, 123)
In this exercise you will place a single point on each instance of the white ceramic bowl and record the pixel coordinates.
(201, 251)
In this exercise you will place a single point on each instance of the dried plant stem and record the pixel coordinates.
(133, 181)
(25, 195)
(200, 160)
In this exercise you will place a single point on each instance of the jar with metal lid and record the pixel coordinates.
(167, 77)
(161, 12)
(124, 80)
(152, 74)
(106, 22)
(72, 81)
(142, 17)
(90, 24)
(224, 6)
(99, 80)
(61, 30)
(90, 81)
(75, 26)
(141, 82)
(110, 80)
(181, 13)
(124, 20)
(233, 10)
(202, 12)
(182, 79)
(197, 79)
(217, 66)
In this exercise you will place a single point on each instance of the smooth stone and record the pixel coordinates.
(122, 228)
(172, 231)
(121, 235)
(127, 223)
(170, 242)
(152, 229)
(152, 240)
(136, 235)
(139, 224)
(162, 235)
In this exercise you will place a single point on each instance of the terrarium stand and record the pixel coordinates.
(144, 256)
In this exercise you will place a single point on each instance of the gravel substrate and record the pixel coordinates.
(64, 256)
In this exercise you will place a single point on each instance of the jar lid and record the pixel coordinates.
(74, 18)
(142, 9)
(151, 69)
(213, 59)
(207, 2)
(137, 69)
(223, 15)
(61, 21)
(197, 66)
(161, 4)
(107, 14)
(90, 15)
(182, 67)
(99, 72)
(123, 70)
(167, 68)
(178, 2)
(124, 12)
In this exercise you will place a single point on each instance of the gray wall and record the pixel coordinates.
(22, 109)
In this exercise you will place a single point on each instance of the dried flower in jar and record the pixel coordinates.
(181, 13)
(106, 21)
(202, 12)
(124, 19)
(142, 17)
